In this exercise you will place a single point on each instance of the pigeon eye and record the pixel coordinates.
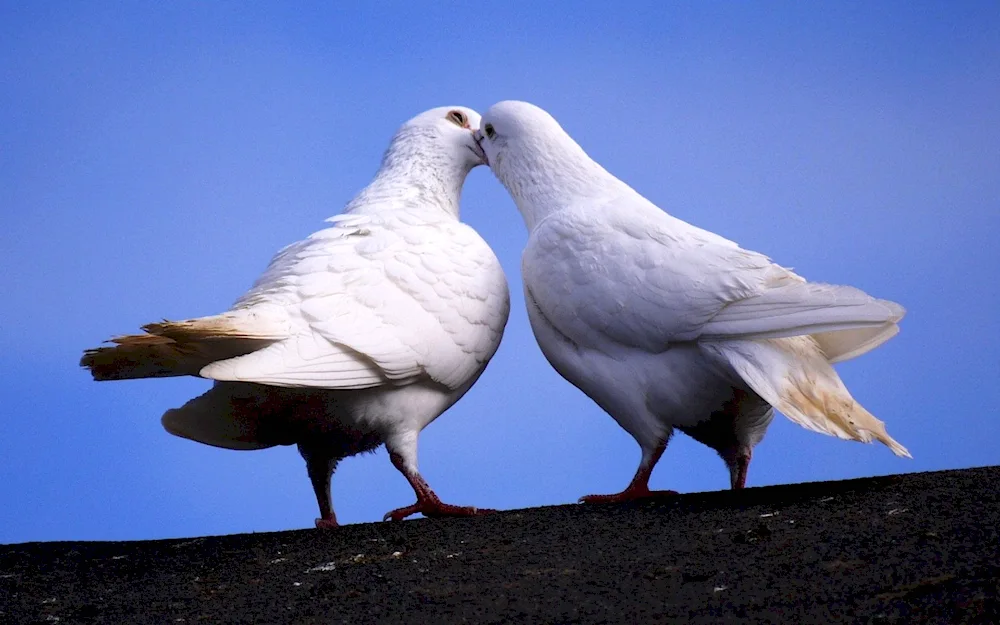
(489, 131)
(458, 118)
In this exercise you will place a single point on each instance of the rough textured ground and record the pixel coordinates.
(901, 549)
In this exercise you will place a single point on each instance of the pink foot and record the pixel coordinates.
(629, 494)
(427, 501)
(327, 523)
(435, 510)
(638, 488)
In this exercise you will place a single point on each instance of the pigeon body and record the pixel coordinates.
(359, 335)
(665, 325)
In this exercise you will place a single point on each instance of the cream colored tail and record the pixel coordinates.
(793, 375)
(173, 348)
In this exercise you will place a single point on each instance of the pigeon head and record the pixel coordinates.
(541, 166)
(443, 135)
(520, 131)
(426, 162)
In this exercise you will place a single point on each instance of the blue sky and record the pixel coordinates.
(153, 157)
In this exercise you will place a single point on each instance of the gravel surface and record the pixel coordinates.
(901, 549)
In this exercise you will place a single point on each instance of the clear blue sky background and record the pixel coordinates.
(153, 157)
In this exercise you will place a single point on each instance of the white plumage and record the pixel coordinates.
(359, 335)
(666, 325)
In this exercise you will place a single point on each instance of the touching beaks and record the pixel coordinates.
(477, 137)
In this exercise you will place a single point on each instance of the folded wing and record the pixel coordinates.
(382, 303)
(661, 281)
(845, 321)
(367, 302)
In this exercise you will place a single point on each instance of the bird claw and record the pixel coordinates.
(327, 524)
(435, 510)
(628, 494)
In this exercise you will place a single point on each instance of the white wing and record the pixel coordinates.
(627, 272)
(378, 300)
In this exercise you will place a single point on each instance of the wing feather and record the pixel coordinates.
(641, 278)
(380, 301)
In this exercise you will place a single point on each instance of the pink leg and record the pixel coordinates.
(638, 488)
(428, 502)
(738, 470)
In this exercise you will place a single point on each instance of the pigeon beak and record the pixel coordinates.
(477, 138)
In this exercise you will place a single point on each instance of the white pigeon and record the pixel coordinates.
(359, 335)
(665, 325)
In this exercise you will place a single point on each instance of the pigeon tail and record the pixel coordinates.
(793, 375)
(231, 416)
(175, 348)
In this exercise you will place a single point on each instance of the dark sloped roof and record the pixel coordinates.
(899, 549)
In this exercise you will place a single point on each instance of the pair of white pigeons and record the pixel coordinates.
(365, 332)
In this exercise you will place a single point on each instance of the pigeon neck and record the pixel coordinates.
(414, 176)
(552, 178)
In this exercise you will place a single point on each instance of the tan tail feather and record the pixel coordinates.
(173, 348)
(793, 375)
(844, 414)
(225, 326)
(140, 356)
